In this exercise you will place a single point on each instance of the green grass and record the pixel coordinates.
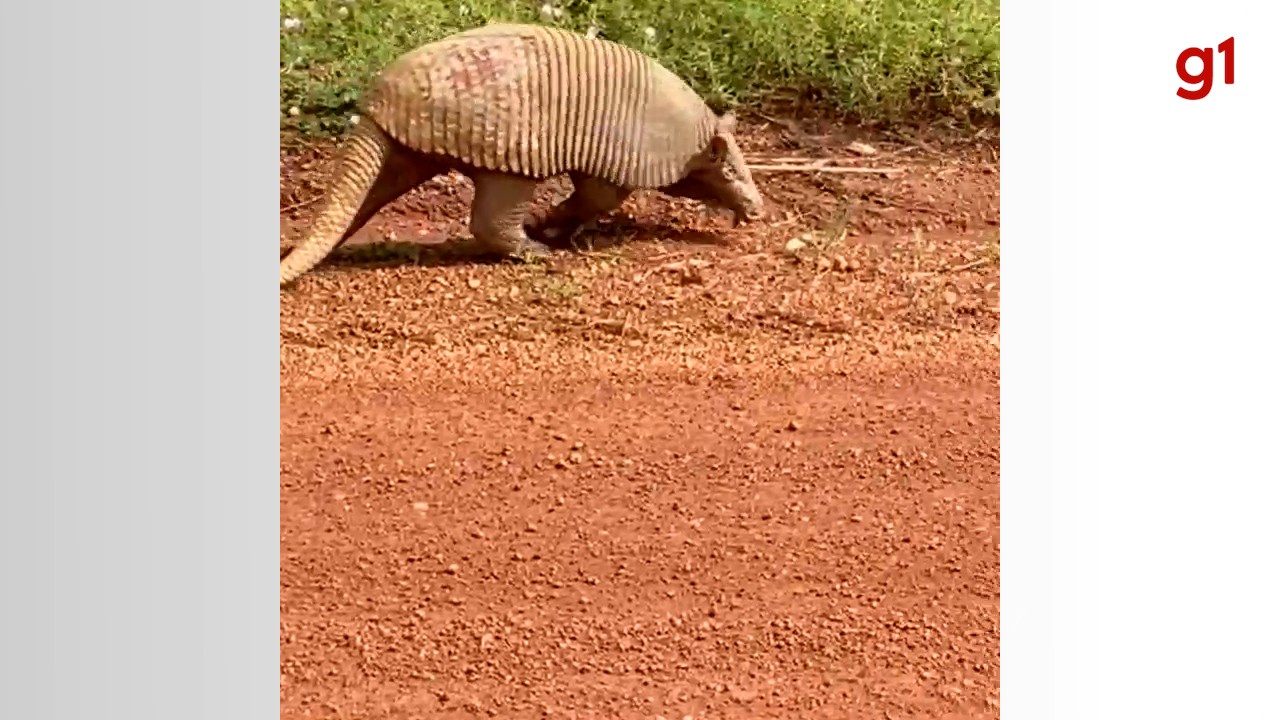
(882, 61)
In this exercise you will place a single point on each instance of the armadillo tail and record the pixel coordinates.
(361, 159)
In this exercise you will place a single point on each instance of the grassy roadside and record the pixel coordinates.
(882, 61)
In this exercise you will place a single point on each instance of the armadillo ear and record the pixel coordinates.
(727, 123)
(718, 149)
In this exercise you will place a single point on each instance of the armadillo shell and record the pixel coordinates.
(539, 101)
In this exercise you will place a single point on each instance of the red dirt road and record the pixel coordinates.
(669, 478)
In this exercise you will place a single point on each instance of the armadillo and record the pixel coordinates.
(510, 105)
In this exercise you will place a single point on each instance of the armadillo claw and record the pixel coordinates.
(543, 232)
(561, 235)
(528, 250)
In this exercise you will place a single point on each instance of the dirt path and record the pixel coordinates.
(666, 478)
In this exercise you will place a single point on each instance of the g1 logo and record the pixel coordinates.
(1203, 80)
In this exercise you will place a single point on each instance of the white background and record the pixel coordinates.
(1139, 393)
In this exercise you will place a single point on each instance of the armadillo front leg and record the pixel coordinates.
(498, 211)
(591, 199)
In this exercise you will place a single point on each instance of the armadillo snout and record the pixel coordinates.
(741, 196)
(724, 181)
(744, 196)
(747, 205)
(738, 195)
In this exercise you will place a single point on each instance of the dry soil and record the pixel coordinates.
(680, 474)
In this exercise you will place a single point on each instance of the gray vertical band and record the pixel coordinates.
(139, 441)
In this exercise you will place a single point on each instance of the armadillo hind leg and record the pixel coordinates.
(591, 199)
(371, 171)
(502, 201)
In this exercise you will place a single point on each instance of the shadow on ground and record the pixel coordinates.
(463, 250)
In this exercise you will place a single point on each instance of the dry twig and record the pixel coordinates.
(820, 168)
(968, 266)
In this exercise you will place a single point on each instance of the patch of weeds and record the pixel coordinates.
(921, 249)
(556, 289)
(883, 61)
(608, 257)
(991, 250)
(834, 232)
(544, 284)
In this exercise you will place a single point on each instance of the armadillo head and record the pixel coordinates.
(719, 177)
